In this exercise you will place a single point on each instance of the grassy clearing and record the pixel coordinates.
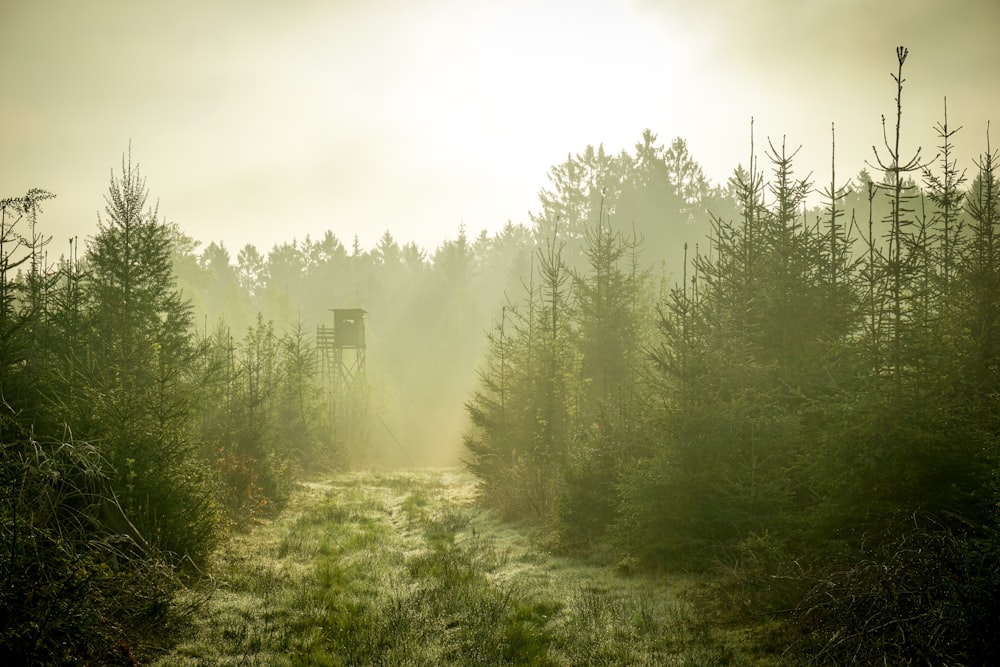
(403, 569)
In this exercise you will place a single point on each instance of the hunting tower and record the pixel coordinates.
(342, 348)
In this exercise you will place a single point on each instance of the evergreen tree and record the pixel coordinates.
(136, 376)
(664, 198)
(608, 330)
(610, 309)
(982, 276)
(526, 411)
(250, 271)
(581, 189)
(303, 431)
(21, 287)
(944, 189)
(900, 240)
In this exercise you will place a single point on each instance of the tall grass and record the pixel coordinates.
(404, 569)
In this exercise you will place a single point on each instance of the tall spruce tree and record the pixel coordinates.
(901, 242)
(21, 303)
(982, 275)
(611, 304)
(136, 372)
(526, 409)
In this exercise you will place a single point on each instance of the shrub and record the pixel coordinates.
(923, 593)
(80, 585)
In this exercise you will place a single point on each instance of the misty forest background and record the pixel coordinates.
(790, 381)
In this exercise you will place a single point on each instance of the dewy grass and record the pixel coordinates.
(404, 569)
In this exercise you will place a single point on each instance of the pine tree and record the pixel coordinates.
(21, 305)
(944, 189)
(581, 188)
(900, 241)
(525, 412)
(610, 310)
(981, 278)
(608, 331)
(493, 412)
(135, 375)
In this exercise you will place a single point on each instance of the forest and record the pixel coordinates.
(787, 384)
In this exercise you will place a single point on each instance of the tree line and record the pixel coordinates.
(812, 407)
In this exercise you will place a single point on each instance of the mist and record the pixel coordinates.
(260, 125)
(332, 306)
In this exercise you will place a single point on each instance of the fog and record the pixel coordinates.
(278, 127)
(259, 124)
(606, 270)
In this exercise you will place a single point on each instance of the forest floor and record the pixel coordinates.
(403, 568)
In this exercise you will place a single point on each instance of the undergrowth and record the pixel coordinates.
(922, 592)
(78, 587)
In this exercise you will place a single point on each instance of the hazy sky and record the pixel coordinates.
(262, 121)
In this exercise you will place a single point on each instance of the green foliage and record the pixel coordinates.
(263, 414)
(79, 582)
(589, 499)
(810, 385)
(134, 398)
(608, 303)
(658, 193)
(741, 349)
(98, 361)
(526, 412)
(560, 367)
(299, 400)
(920, 593)
(22, 284)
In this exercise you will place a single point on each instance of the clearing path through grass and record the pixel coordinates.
(403, 568)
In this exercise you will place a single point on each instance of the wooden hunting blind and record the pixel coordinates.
(349, 327)
(347, 333)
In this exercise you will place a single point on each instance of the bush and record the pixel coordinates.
(251, 486)
(924, 593)
(588, 503)
(80, 585)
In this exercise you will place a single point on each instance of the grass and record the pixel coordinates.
(403, 569)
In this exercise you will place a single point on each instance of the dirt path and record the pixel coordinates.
(403, 568)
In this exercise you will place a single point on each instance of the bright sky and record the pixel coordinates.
(260, 122)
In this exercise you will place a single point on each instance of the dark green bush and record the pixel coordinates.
(79, 584)
(921, 593)
(588, 503)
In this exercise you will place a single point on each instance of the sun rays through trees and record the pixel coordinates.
(815, 395)
(789, 389)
